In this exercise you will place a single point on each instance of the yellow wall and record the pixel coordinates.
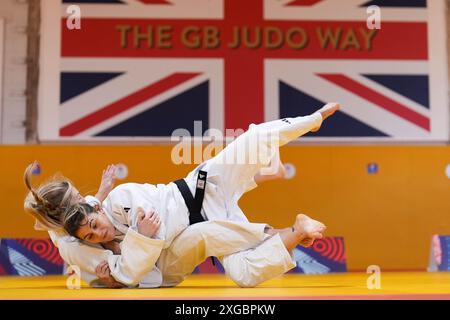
(387, 219)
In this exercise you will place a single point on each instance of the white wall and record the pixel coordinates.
(13, 106)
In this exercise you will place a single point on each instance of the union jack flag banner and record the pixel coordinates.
(139, 69)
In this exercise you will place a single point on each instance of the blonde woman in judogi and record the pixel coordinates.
(207, 238)
(225, 184)
(190, 248)
(255, 258)
(227, 180)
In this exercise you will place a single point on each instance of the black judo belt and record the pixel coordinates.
(194, 203)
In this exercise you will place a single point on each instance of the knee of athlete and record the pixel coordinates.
(198, 232)
(243, 276)
(172, 281)
(192, 239)
(244, 282)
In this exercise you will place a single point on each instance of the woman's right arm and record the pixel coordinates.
(85, 257)
(129, 268)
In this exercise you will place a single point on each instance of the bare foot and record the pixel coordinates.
(305, 224)
(308, 230)
(304, 232)
(307, 242)
(326, 111)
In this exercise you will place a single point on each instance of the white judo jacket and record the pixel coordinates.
(130, 268)
(136, 266)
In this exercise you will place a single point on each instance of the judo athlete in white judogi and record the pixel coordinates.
(197, 242)
(227, 179)
(191, 247)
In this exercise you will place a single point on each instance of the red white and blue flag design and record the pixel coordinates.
(143, 68)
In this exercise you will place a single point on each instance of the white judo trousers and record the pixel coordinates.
(224, 239)
(249, 256)
(231, 173)
(191, 247)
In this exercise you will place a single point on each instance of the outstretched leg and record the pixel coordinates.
(232, 240)
(289, 129)
(251, 153)
(272, 258)
(199, 241)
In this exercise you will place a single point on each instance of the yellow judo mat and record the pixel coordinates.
(405, 285)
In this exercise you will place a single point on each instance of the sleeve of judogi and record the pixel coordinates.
(92, 200)
(134, 197)
(138, 257)
(139, 253)
(82, 256)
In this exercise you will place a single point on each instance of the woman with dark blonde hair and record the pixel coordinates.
(127, 209)
(190, 248)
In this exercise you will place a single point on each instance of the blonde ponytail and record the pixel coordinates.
(48, 202)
